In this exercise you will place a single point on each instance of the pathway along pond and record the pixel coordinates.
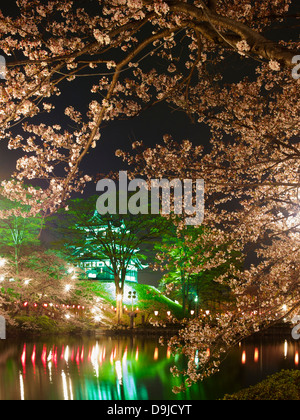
(127, 368)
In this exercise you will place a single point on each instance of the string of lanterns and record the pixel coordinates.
(52, 305)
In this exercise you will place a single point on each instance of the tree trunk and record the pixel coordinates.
(183, 295)
(119, 299)
(17, 261)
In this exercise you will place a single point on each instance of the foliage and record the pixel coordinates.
(37, 323)
(283, 386)
(114, 238)
(247, 217)
(44, 279)
(189, 257)
(210, 59)
(140, 53)
(148, 298)
(18, 230)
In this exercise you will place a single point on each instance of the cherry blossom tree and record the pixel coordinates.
(49, 43)
(249, 209)
(18, 232)
(45, 285)
(140, 53)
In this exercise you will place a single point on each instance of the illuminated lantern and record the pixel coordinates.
(256, 355)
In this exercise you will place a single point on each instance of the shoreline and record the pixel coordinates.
(276, 331)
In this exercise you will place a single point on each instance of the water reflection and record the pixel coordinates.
(104, 369)
(126, 369)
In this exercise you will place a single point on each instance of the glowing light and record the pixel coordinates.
(284, 308)
(65, 388)
(156, 313)
(77, 356)
(33, 356)
(137, 354)
(23, 358)
(25, 304)
(94, 359)
(197, 357)
(244, 358)
(168, 353)
(125, 354)
(192, 312)
(256, 355)
(155, 354)
(285, 349)
(68, 287)
(67, 316)
(22, 395)
(44, 356)
(66, 355)
(27, 281)
(54, 358)
(2, 262)
(119, 371)
(297, 358)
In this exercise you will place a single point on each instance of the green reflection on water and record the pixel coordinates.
(108, 368)
(87, 369)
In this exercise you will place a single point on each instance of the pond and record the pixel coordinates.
(126, 368)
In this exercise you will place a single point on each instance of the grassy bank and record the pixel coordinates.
(149, 299)
(282, 386)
